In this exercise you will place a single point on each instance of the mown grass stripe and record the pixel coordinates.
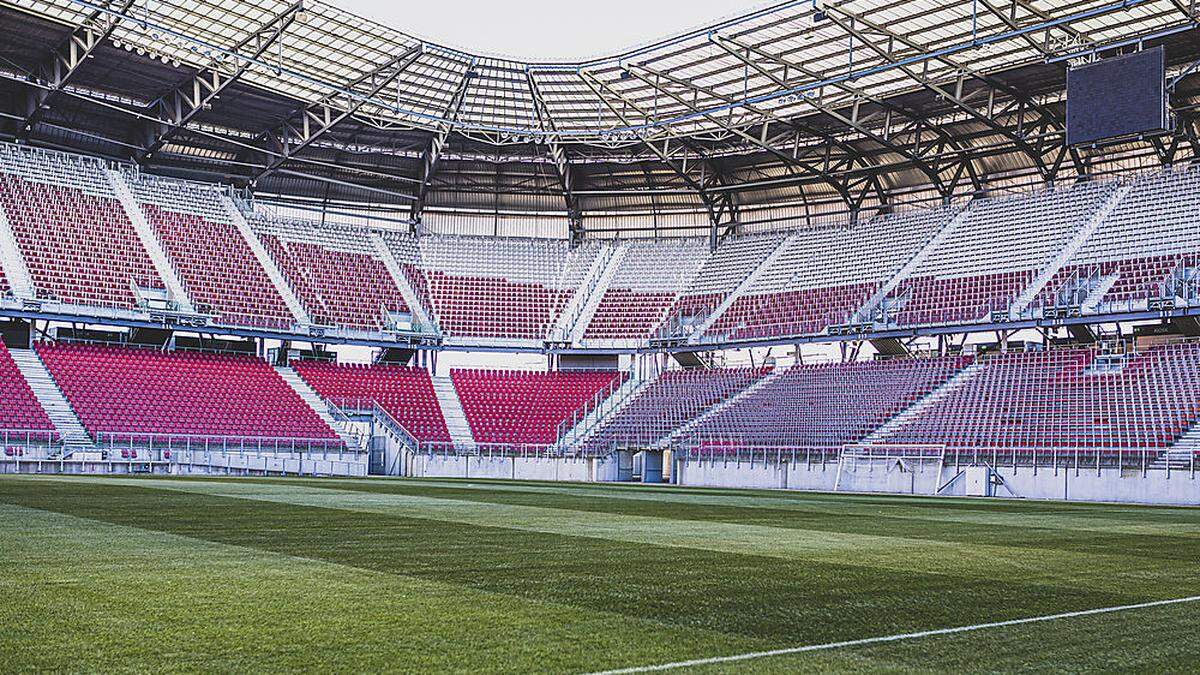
(893, 638)
(1119, 566)
(774, 599)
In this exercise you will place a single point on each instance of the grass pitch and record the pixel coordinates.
(120, 574)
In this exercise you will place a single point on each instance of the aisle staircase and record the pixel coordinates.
(45, 389)
(879, 436)
(12, 262)
(687, 427)
(343, 427)
(1068, 251)
(595, 294)
(158, 256)
(455, 416)
(597, 418)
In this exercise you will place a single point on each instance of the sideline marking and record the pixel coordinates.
(892, 638)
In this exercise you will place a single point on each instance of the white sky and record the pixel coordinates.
(546, 29)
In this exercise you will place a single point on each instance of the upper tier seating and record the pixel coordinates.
(733, 261)
(649, 279)
(218, 269)
(667, 403)
(76, 238)
(830, 405)
(334, 271)
(405, 393)
(1149, 233)
(19, 408)
(122, 392)
(509, 288)
(1065, 399)
(823, 276)
(994, 254)
(525, 408)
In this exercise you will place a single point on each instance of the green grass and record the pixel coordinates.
(111, 574)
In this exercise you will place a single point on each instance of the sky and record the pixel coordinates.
(530, 30)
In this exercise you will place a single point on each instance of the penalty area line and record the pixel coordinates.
(893, 638)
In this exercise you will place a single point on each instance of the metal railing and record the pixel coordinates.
(117, 441)
(1080, 459)
(600, 404)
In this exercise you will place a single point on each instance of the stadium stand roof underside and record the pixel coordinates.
(796, 111)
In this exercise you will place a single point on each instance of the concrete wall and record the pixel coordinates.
(568, 469)
(183, 463)
(760, 474)
(1156, 486)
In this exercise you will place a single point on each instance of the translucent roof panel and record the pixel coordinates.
(769, 63)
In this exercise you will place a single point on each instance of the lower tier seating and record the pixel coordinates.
(405, 393)
(525, 408)
(19, 408)
(828, 405)
(120, 393)
(667, 403)
(1066, 398)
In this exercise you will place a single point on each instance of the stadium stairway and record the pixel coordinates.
(321, 407)
(1183, 453)
(421, 315)
(867, 311)
(597, 418)
(1068, 252)
(580, 300)
(745, 285)
(45, 389)
(680, 432)
(12, 263)
(596, 292)
(266, 262)
(452, 411)
(158, 256)
(879, 436)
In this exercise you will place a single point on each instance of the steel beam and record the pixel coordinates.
(850, 22)
(885, 138)
(433, 154)
(66, 59)
(663, 153)
(317, 119)
(196, 95)
(558, 154)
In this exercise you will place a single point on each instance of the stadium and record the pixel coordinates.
(832, 335)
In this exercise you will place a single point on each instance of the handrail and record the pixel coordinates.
(219, 442)
(379, 412)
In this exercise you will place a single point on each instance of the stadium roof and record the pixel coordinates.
(833, 105)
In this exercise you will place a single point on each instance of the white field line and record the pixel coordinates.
(893, 638)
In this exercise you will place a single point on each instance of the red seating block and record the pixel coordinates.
(79, 247)
(524, 408)
(19, 408)
(337, 287)
(122, 392)
(218, 269)
(405, 393)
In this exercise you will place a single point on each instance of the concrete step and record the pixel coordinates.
(959, 379)
(452, 411)
(45, 389)
(321, 407)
